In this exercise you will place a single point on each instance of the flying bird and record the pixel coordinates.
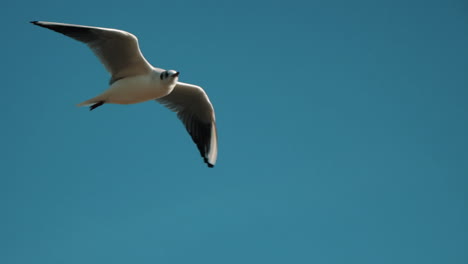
(134, 80)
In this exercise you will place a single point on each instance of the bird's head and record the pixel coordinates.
(170, 76)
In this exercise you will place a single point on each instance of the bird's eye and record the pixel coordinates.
(163, 75)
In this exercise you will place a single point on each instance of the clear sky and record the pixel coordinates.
(342, 135)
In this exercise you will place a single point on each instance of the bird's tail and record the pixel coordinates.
(91, 101)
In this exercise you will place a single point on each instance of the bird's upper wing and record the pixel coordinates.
(194, 109)
(118, 50)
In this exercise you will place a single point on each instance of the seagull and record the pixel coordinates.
(134, 80)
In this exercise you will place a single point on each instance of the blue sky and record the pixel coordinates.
(342, 131)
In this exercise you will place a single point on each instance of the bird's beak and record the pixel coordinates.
(176, 74)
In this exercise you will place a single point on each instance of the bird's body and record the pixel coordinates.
(134, 89)
(134, 80)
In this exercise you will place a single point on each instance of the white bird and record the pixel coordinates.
(134, 80)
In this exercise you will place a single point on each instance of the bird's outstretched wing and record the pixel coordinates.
(194, 109)
(118, 50)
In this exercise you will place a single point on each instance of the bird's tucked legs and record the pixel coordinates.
(91, 108)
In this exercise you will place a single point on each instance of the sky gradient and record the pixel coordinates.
(342, 135)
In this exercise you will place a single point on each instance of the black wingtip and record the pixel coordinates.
(208, 163)
(34, 22)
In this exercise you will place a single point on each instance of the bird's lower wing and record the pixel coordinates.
(194, 109)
